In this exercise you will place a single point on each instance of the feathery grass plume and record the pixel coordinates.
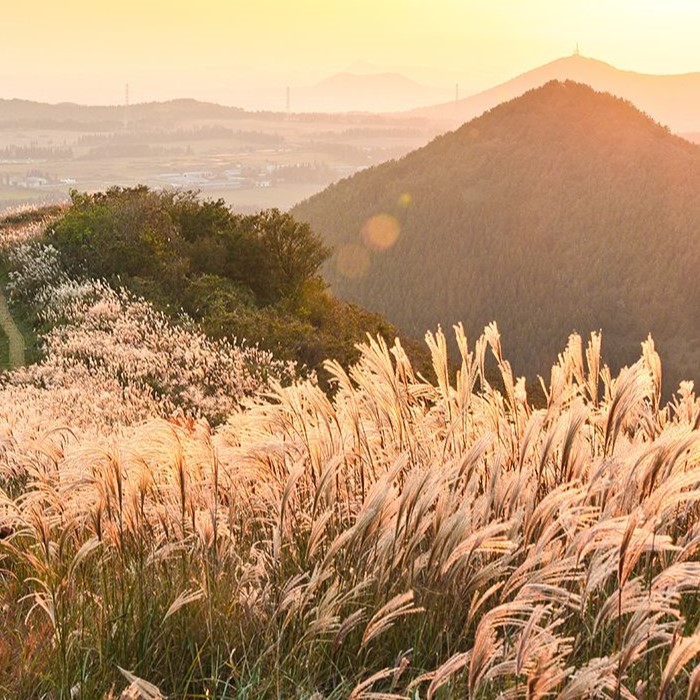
(185, 598)
(596, 678)
(652, 361)
(444, 673)
(632, 385)
(361, 692)
(386, 616)
(487, 649)
(467, 374)
(682, 652)
(142, 689)
(648, 629)
(685, 405)
(437, 344)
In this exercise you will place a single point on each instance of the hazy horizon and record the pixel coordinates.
(246, 54)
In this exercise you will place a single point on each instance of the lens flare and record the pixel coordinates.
(380, 232)
(405, 199)
(352, 261)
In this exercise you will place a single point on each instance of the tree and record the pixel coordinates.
(123, 231)
(289, 254)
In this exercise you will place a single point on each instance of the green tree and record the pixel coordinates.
(123, 231)
(289, 254)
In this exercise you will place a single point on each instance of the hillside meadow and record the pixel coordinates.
(393, 537)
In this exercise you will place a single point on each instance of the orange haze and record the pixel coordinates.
(247, 51)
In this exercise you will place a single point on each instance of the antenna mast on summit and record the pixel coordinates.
(576, 50)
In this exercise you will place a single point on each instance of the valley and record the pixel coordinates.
(251, 160)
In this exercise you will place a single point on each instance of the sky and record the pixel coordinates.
(244, 52)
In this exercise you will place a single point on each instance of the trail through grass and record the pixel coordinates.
(4, 351)
(15, 339)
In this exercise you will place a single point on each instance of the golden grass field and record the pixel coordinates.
(400, 538)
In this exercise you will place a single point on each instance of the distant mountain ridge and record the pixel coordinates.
(372, 92)
(673, 100)
(564, 209)
(23, 111)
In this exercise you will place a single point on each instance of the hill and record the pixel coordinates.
(673, 100)
(251, 278)
(69, 115)
(317, 545)
(562, 210)
(373, 92)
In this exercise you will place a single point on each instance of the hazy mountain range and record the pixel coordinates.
(562, 210)
(368, 92)
(673, 100)
(27, 112)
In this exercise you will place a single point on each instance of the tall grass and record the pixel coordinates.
(402, 539)
(108, 357)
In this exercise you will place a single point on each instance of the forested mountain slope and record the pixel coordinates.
(562, 210)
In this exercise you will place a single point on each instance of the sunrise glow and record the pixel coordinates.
(240, 50)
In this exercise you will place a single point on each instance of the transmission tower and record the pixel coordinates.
(126, 106)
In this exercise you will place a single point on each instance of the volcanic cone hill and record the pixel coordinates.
(671, 99)
(562, 210)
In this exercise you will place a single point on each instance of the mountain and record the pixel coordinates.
(564, 209)
(673, 100)
(28, 112)
(368, 92)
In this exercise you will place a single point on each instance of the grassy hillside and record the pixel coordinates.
(110, 358)
(563, 210)
(404, 540)
(398, 538)
(252, 279)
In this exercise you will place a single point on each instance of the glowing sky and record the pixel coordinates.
(86, 50)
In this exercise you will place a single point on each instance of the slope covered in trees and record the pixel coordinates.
(252, 278)
(563, 210)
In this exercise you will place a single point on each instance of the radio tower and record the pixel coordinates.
(289, 101)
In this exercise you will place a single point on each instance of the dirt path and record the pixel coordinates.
(12, 332)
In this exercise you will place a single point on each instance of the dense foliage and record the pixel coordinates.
(254, 278)
(108, 357)
(562, 210)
